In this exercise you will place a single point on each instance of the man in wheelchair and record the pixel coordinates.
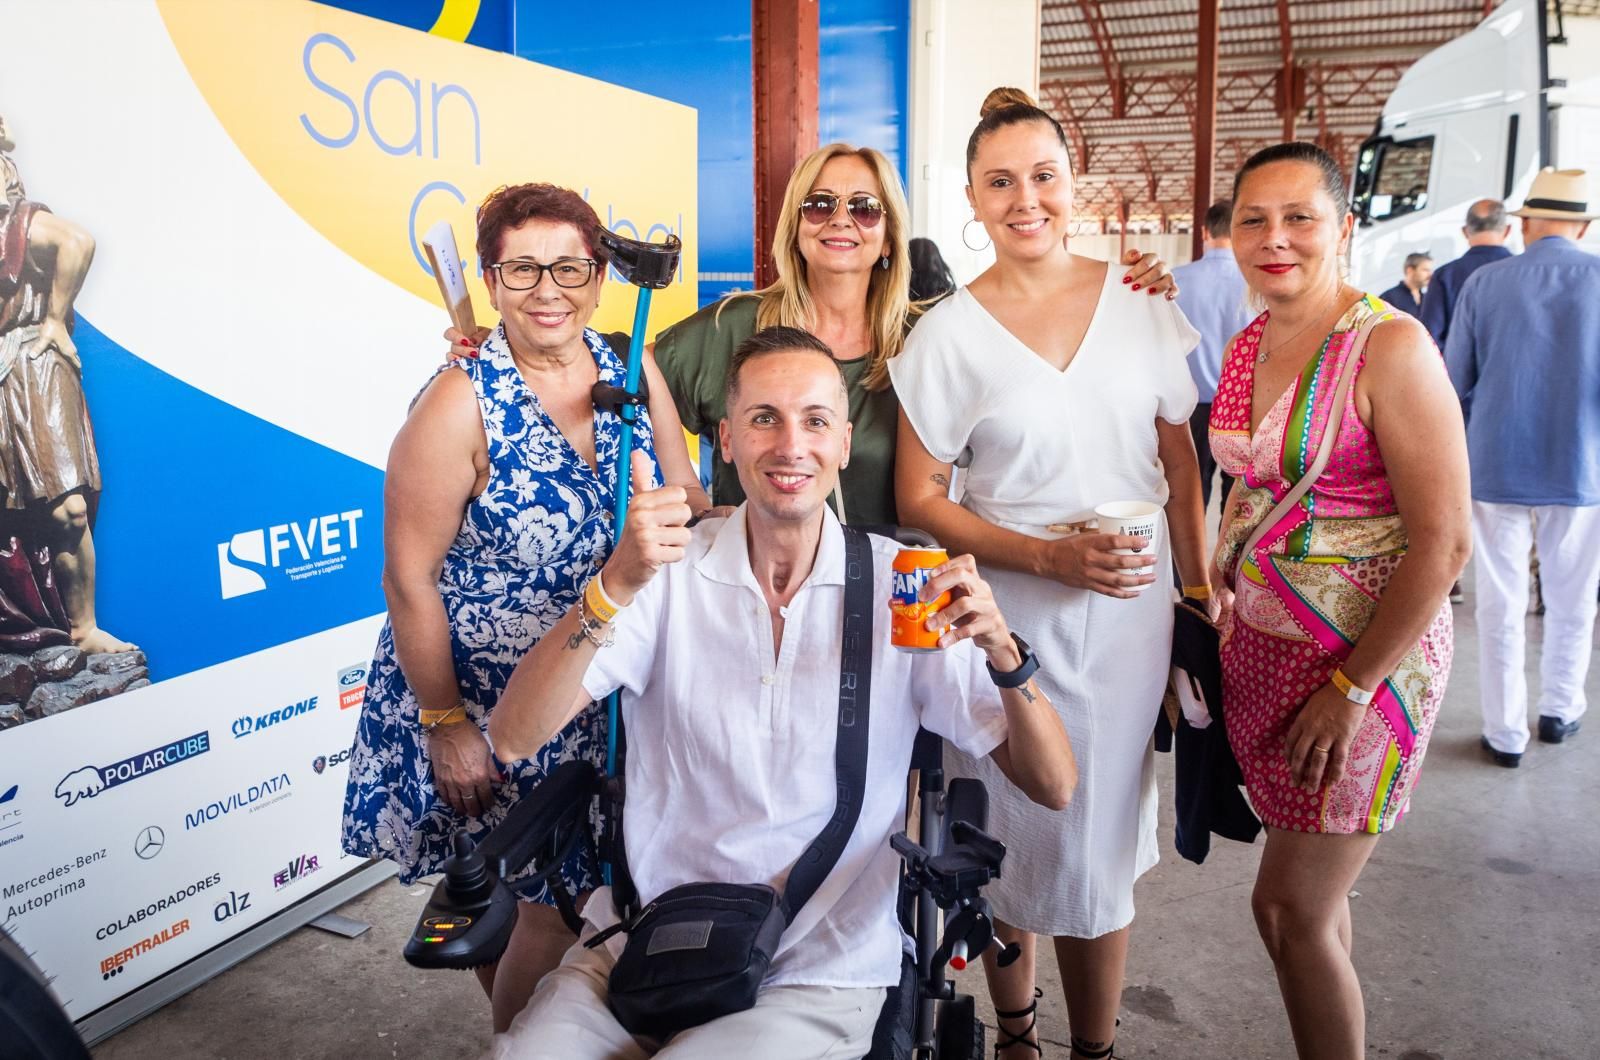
(738, 698)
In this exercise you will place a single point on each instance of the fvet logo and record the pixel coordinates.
(112, 965)
(318, 546)
(86, 782)
(246, 725)
(298, 869)
(352, 686)
(323, 762)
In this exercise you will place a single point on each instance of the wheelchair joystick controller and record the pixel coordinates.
(469, 917)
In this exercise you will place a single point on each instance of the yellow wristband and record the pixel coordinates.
(1350, 690)
(432, 719)
(1197, 592)
(599, 603)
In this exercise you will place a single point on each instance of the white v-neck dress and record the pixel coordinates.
(1047, 446)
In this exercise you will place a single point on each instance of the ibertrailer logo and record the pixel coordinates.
(112, 965)
(298, 869)
(271, 789)
(86, 782)
(352, 686)
(246, 725)
(318, 546)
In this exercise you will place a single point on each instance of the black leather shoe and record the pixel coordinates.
(1500, 758)
(1554, 730)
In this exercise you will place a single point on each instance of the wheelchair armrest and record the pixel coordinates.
(553, 804)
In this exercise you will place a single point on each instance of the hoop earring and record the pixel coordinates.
(883, 262)
(967, 243)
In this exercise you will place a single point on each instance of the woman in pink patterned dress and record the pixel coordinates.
(1336, 652)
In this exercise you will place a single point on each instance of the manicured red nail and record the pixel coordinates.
(1127, 279)
(1152, 291)
(1137, 286)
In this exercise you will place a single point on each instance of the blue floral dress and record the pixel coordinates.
(527, 546)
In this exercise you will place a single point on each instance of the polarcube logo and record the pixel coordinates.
(352, 686)
(86, 782)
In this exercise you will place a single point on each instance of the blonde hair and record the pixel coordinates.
(787, 301)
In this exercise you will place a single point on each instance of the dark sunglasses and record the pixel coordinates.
(820, 206)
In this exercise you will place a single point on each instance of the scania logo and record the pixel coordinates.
(322, 762)
(150, 842)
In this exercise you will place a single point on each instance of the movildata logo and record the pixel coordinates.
(320, 545)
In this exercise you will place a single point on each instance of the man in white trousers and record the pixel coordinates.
(1524, 355)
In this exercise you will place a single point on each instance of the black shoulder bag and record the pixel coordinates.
(701, 950)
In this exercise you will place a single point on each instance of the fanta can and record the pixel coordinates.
(912, 569)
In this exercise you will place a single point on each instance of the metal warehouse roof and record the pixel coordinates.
(1120, 76)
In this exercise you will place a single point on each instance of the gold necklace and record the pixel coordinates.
(1261, 357)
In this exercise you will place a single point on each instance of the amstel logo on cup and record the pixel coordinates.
(352, 686)
(112, 965)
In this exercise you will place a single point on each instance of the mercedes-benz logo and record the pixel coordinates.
(150, 842)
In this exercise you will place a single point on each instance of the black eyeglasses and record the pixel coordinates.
(520, 274)
(820, 206)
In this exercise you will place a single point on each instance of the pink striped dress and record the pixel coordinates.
(1308, 590)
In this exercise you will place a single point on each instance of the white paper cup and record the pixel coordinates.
(1134, 519)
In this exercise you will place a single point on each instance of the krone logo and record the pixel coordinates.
(150, 842)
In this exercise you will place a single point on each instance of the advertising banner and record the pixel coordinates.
(215, 309)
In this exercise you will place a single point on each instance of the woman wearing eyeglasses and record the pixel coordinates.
(498, 507)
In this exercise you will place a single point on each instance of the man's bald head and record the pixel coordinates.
(1486, 223)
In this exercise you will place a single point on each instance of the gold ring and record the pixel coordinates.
(1324, 750)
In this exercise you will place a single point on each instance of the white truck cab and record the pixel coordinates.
(1476, 118)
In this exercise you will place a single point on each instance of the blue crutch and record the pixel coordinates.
(649, 267)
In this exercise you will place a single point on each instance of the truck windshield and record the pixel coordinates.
(1392, 178)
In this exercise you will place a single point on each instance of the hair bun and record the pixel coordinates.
(1000, 98)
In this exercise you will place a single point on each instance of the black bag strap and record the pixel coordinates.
(850, 747)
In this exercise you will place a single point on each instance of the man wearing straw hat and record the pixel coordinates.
(1524, 355)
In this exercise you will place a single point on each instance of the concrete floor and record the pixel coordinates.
(1476, 936)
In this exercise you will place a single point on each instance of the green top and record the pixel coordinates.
(694, 355)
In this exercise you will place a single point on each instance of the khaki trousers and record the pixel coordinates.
(568, 1018)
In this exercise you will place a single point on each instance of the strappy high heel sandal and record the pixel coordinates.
(1018, 1039)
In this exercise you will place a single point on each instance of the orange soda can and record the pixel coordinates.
(912, 569)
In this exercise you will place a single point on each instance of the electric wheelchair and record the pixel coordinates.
(470, 915)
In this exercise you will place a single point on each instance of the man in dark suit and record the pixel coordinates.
(1406, 295)
(1486, 231)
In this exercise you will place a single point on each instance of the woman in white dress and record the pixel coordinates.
(1063, 399)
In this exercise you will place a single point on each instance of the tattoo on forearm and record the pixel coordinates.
(940, 480)
(1028, 693)
(574, 640)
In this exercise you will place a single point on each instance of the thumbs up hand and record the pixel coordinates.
(655, 535)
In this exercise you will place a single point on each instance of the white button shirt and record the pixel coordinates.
(730, 768)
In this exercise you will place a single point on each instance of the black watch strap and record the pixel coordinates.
(1022, 674)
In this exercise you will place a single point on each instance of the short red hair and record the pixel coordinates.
(511, 207)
